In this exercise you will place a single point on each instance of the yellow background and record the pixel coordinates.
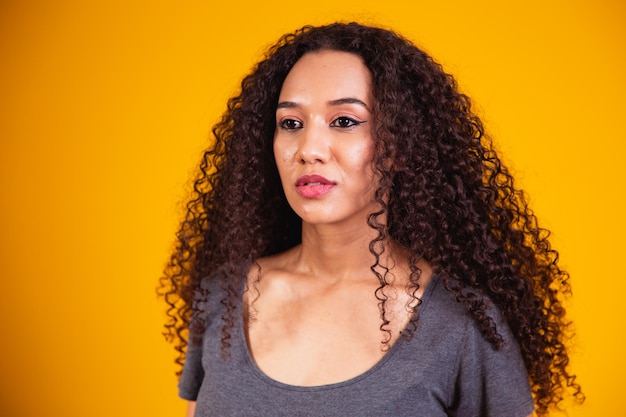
(106, 105)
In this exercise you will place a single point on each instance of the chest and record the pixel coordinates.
(321, 340)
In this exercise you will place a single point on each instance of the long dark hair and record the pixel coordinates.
(448, 199)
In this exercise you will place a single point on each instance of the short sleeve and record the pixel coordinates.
(193, 374)
(207, 302)
(491, 382)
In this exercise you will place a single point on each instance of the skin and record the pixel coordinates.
(312, 315)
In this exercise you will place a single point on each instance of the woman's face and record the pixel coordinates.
(323, 142)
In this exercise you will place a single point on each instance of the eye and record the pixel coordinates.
(290, 124)
(345, 122)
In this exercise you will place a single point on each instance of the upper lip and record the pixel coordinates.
(316, 179)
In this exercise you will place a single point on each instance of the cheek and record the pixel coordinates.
(364, 163)
(282, 150)
(362, 158)
(282, 156)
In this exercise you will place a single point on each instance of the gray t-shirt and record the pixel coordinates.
(446, 369)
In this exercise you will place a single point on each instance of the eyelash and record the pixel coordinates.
(284, 124)
(351, 122)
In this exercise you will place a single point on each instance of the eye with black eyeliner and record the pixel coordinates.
(290, 124)
(345, 122)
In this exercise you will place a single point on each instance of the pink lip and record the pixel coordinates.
(313, 186)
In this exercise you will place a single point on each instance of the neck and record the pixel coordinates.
(334, 253)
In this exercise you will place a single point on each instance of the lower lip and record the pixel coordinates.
(314, 191)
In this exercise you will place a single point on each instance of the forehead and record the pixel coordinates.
(328, 73)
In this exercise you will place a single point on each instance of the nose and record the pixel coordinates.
(314, 146)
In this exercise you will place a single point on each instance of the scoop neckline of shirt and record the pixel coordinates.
(434, 280)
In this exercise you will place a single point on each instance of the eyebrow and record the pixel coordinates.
(338, 102)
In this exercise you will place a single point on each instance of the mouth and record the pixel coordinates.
(313, 180)
(313, 186)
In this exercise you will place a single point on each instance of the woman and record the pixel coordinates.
(355, 247)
